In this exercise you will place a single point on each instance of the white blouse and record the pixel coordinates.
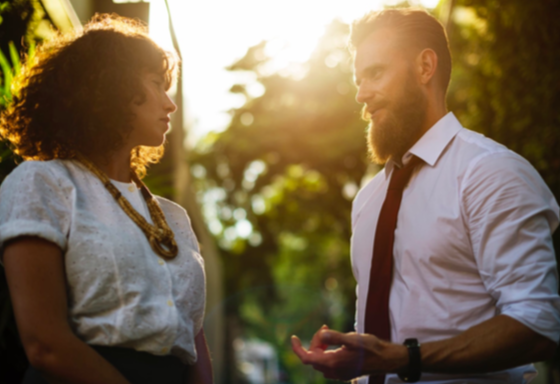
(120, 292)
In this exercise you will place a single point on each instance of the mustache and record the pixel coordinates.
(367, 110)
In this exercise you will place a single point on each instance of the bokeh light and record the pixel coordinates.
(215, 33)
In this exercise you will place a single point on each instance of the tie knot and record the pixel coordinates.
(401, 176)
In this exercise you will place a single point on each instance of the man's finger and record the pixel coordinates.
(299, 350)
(316, 340)
(351, 340)
(330, 337)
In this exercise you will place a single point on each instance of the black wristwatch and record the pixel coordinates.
(412, 373)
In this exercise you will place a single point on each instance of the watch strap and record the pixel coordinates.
(413, 371)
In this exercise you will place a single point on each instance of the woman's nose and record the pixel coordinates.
(170, 106)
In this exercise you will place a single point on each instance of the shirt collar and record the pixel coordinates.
(432, 144)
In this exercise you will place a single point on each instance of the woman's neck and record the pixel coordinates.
(115, 165)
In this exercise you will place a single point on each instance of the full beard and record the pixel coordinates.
(401, 126)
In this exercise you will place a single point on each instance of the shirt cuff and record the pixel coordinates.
(543, 317)
(16, 228)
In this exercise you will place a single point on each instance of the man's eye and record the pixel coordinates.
(375, 74)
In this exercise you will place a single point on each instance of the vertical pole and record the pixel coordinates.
(445, 14)
(184, 196)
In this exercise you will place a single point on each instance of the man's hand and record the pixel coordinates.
(493, 345)
(357, 355)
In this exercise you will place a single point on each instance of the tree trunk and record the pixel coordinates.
(185, 196)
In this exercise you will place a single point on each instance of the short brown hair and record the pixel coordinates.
(417, 30)
(75, 94)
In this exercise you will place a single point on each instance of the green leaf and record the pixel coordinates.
(14, 55)
(7, 77)
(31, 50)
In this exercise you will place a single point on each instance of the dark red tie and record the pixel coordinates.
(377, 308)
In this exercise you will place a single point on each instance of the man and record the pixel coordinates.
(464, 270)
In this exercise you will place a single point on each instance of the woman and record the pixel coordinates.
(106, 281)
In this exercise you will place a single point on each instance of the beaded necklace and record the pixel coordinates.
(160, 236)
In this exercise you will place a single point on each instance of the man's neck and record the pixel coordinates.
(435, 112)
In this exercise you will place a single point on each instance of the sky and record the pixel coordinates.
(213, 34)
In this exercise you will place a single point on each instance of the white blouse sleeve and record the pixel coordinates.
(511, 215)
(35, 200)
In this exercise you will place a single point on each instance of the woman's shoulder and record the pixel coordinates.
(169, 206)
(178, 220)
(36, 199)
(40, 174)
(173, 211)
(47, 167)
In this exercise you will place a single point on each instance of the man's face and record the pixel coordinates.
(393, 99)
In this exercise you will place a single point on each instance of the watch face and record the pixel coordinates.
(411, 343)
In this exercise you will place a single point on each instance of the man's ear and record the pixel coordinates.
(426, 64)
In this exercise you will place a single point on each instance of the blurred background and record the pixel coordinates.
(268, 150)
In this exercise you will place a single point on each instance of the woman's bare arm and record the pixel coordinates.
(36, 279)
(202, 370)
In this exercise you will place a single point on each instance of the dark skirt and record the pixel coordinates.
(136, 367)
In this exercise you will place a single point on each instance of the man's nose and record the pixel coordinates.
(364, 92)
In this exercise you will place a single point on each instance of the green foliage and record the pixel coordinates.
(278, 186)
(10, 68)
(23, 22)
(506, 80)
(22, 25)
(160, 178)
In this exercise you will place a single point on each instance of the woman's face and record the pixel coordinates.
(151, 115)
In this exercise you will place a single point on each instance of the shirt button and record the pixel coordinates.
(131, 188)
(161, 262)
(170, 303)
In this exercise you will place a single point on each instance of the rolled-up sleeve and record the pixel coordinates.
(34, 202)
(511, 215)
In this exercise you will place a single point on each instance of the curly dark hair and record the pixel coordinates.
(75, 94)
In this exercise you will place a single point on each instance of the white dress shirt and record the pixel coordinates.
(473, 240)
(120, 292)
